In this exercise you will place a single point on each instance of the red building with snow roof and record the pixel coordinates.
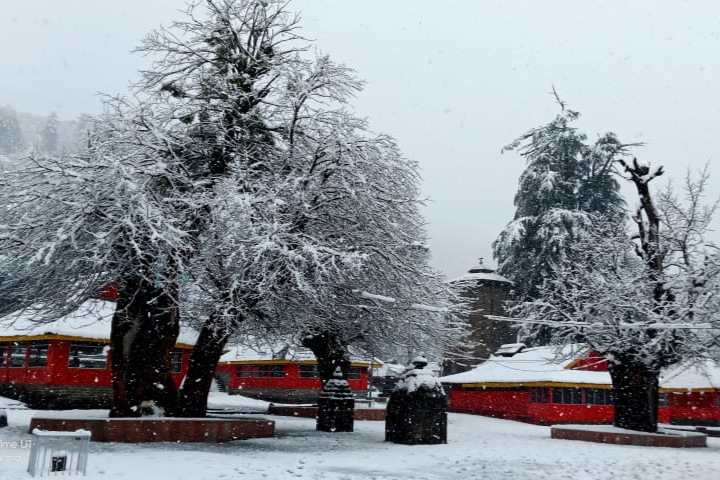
(281, 373)
(66, 363)
(543, 386)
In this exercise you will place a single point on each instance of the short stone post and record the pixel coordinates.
(417, 408)
(336, 405)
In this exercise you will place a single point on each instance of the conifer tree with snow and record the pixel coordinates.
(11, 137)
(567, 184)
(49, 134)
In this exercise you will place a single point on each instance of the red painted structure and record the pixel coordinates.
(540, 389)
(66, 363)
(290, 381)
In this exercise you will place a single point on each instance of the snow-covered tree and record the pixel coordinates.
(566, 185)
(643, 302)
(11, 137)
(49, 135)
(234, 180)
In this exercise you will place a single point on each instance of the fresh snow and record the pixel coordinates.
(92, 320)
(478, 447)
(547, 364)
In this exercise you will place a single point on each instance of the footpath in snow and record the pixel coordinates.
(478, 448)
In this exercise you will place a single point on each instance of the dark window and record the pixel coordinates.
(568, 396)
(38, 354)
(355, 373)
(680, 400)
(176, 361)
(664, 400)
(539, 395)
(246, 371)
(598, 396)
(308, 371)
(3, 355)
(703, 400)
(18, 351)
(88, 355)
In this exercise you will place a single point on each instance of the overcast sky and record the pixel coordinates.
(453, 81)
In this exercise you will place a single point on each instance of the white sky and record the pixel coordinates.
(453, 80)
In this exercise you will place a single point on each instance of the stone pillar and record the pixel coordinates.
(336, 406)
(417, 408)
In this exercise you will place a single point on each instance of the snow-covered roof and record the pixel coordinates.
(481, 273)
(548, 365)
(92, 321)
(532, 365)
(542, 365)
(240, 353)
(692, 376)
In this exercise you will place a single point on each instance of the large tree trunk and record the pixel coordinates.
(330, 354)
(635, 393)
(144, 331)
(203, 360)
(336, 410)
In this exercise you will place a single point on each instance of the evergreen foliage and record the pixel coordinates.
(567, 185)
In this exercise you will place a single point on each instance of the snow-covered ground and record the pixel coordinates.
(478, 448)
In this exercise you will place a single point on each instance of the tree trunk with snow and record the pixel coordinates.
(201, 367)
(635, 391)
(330, 354)
(145, 328)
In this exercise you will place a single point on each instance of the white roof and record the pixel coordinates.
(532, 365)
(701, 375)
(92, 320)
(486, 275)
(548, 365)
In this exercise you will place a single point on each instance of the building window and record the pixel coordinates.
(264, 370)
(703, 400)
(3, 355)
(176, 361)
(18, 351)
(663, 400)
(539, 395)
(355, 373)
(598, 396)
(680, 399)
(567, 396)
(38, 354)
(88, 355)
(308, 371)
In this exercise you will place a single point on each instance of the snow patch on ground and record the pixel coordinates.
(478, 447)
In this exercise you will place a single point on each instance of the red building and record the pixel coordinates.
(280, 373)
(66, 363)
(538, 385)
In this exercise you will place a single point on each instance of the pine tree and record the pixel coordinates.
(11, 138)
(49, 134)
(566, 185)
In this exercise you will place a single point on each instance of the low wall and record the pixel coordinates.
(58, 397)
(311, 412)
(674, 440)
(137, 430)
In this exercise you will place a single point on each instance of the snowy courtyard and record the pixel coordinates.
(478, 448)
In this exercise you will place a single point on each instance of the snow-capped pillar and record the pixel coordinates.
(336, 405)
(417, 408)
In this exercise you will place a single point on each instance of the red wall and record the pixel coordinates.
(290, 380)
(514, 404)
(57, 372)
